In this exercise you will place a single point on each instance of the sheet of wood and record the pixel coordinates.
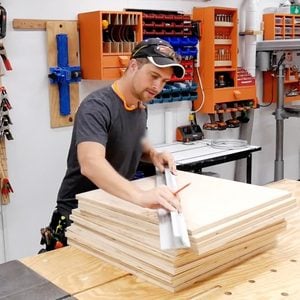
(95, 208)
(190, 283)
(171, 261)
(207, 202)
(141, 264)
(72, 270)
(266, 276)
(242, 230)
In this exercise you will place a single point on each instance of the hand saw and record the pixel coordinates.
(172, 227)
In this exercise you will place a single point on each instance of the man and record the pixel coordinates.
(108, 139)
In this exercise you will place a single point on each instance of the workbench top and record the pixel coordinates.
(275, 274)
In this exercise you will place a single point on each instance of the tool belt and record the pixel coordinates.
(53, 236)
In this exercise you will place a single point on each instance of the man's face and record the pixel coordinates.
(149, 80)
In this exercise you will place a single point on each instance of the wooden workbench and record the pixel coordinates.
(275, 274)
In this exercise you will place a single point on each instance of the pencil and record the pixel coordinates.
(180, 189)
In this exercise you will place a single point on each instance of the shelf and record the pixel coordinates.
(223, 24)
(281, 27)
(219, 60)
(223, 63)
(223, 42)
(106, 41)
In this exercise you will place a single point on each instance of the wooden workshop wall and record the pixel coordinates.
(37, 155)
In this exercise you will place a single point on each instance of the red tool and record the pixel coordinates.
(6, 61)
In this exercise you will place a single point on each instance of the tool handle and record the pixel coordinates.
(64, 99)
(7, 64)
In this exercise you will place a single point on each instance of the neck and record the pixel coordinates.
(126, 94)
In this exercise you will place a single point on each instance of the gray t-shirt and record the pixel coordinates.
(102, 118)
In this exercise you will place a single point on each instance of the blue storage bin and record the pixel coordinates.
(194, 96)
(193, 51)
(167, 89)
(185, 52)
(175, 42)
(166, 98)
(193, 41)
(192, 86)
(185, 96)
(176, 96)
(158, 99)
(185, 41)
(185, 87)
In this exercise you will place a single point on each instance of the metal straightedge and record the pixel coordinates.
(172, 227)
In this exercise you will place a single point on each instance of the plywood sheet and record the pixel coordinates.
(72, 270)
(206, 203)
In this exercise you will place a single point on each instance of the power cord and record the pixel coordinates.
(202, 92)
(229, 144)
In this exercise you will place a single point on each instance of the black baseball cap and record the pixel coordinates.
(160, 53)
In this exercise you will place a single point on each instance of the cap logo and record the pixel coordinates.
(168, 52)
(160, 50)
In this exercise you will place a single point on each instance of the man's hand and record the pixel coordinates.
(159, 197)
(160, 160)
(163, 160)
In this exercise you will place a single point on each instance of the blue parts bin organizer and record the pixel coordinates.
(64, 74)
(178, 91)
(177, 29)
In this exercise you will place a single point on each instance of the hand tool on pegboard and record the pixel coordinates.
(3, 17)
(5, 120)
(4, 57)
(63, 74)
(3, 53)
(63, 57)
(5, 186)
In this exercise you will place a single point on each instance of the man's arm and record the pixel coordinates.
(95, 167)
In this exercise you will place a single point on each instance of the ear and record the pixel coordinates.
(133, 64)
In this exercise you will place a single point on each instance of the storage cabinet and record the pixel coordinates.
(224, 84)
(279, 27)
(106, 41)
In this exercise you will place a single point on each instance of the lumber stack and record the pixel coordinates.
(228, 222)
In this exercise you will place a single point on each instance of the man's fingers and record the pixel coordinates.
(169, 201)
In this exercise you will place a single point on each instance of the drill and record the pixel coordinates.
(53, 236)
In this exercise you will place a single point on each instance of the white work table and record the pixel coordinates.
(200, 154)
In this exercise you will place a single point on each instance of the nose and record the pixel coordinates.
(158, 85)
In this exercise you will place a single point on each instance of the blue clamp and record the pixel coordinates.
(64, 74)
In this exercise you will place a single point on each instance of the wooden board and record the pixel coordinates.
(33, 24)
(274, 274)
(134, 258)
(158, 258)
(140, 269)
(207, 202)
(223, 229)
(4, 199)
(70, 28)
(72, 270)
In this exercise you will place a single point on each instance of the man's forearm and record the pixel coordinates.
(104, 176)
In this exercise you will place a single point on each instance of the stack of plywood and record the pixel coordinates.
(228, 222)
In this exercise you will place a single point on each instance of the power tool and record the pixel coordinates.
(53, 236)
